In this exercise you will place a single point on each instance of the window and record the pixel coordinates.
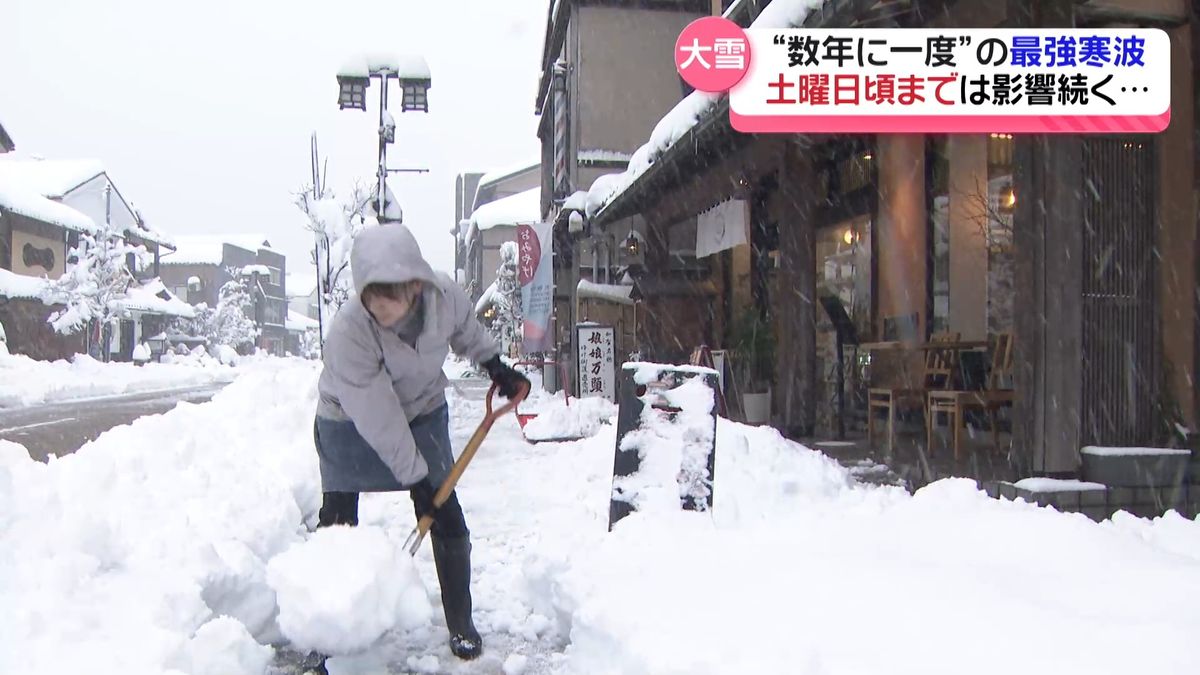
(681, 247)
(844, 268)
(180, 292)
(939, 232)
(275, 276)
(274, 309)
(1001, 202)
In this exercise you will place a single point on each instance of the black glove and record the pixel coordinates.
(508, 381)
(422, 497)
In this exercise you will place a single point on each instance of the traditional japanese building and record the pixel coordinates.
(1083, 249)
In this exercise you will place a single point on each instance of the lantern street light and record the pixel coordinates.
(412, 72)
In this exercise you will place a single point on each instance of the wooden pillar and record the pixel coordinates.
(1048, 278)
(796, 308)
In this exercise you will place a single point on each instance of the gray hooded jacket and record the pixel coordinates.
(374, 378)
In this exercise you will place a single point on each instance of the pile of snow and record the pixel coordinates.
(141, 352)
(1057, 485)
(618, 293)
(176, 520)
(558, 419)
(13, 285)
(154, 297)
(1132, 452)
(146, 550)
(343, 588)
(25, 381)
(673, 454)
(403, 65)
(521, 208)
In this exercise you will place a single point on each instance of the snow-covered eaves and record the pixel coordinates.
(298, 323)
(780, 14)
(596, 156)
(610, 292)
(19, 286)
(521, 208)
(27, 202)
(154, 298)
(406, 66)
(210, 249)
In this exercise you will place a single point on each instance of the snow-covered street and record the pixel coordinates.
(147, 552)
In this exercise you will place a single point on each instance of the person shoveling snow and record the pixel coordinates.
(382, 420)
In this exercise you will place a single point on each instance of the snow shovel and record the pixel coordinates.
(413, 543)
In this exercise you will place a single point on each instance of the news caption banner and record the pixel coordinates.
(911, 80)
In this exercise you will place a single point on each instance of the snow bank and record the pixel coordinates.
(343, 588)
(25, 381)
(559, 420)
(123, 557)
(796, 584)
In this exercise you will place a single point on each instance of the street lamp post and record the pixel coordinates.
(353, 80)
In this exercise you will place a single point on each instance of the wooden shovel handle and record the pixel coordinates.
(456, 471)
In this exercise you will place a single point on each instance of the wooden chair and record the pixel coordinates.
(955, 404)
(938, 374)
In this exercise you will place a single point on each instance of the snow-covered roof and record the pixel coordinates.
(154, 298)
(411, 66)
(596, 155)
(210, 249)
(27, 202)
(51, 178)
(523, 207)
(506, 172)
(13, 285)
(780, 14)
(301, 284)
(297, 322)
(262, 270)
(609, 292)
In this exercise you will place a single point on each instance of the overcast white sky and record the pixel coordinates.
(202, 112)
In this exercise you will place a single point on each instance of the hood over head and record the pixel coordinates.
(388, 254)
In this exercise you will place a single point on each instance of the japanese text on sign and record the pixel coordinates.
(597, 361)
(970, 80)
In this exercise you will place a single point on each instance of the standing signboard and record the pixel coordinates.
(596, 360)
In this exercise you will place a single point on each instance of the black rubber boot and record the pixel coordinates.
(452, 557)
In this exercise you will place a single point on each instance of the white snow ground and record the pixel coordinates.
(123, 558)
(25, 381)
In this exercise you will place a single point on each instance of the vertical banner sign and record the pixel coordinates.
(944, 80)
(534, 270)
(597, 361)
